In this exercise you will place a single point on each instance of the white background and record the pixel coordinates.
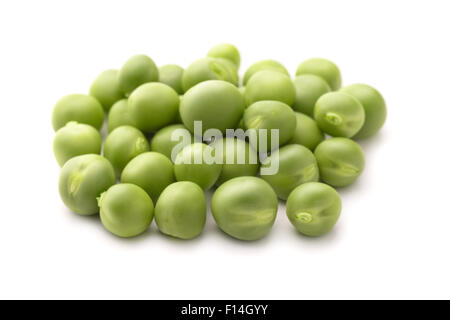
(393, 238)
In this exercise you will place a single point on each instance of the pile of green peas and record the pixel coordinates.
(137, 173)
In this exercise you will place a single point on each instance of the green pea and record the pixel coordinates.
(126, 210)
(80, 108)
(307, 132)
(297, 165)
(196, 163)
(218, 104)
(171, 75)
(166, 139)
(123, 144)
(136, 71)
(119, 115)
(106, 89)
(264, 65)
(239, 159)
(245, 208)
(341, 161)
(231, 69)
(308, 88)
(313, 208)
(181, 210)
(82, 180)
(339, 114)
(374, 108)
(323, 68)
(226, 51)
(75, 139)
(270, 85)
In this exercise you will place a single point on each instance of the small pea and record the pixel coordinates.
(323, 68)
(119, 115)
(106, 89)
(226, 51)
(264, 65)
(307, 132)
(136, 71)
(171, 75)
(308, 89)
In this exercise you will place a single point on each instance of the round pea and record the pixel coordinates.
(119, 115)
(166, 139)
(123, 144)
(126, 210)
(196, 163)
(270, 85)
(313, 208)
(307, 132)
(296, 165)
(77, 107)
(308, 89)
(341, 161)
(374, 108)
(181, 210)
(218, 104)
(245, 208)
(339, 114)
(264, 65)
(137, 70)
(171, 75)
(106, 89)
(323, 68)
(82, 180)
(75, 139)
(226, 51)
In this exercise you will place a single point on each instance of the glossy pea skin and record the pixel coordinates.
(264, 65)
(136, 71)
(341, 161)
(374, 108)
(297, 165)
(126, 210)
(123, 144)
(245, 208)
(308, 89)
(75, 139)
(181, 210)
(239, 158)
(269, 85)
(307, 132)
(226, 51)
(192, 164)
(218, 104)
(82, 180)
(339, 114)
(171, 74)
(313, 208)
(80, 108)
(323, 68)
(106, 89)
(163, 142)
(119, 115)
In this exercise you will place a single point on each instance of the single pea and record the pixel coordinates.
(119, 115)
(232, 70)
(80, 108)
(137, 70)
(296, 165)
(313, 208)
(374, 108)
(270, 85)
(266, 117)
(264, 65)
(308, 88)
(171, 75)
(218, 104)
(307, 132)
(106, 89)
(166, 139)
(206, 69)
(196, 163)
(82, 180)
(153, 106)
(339, 114)
(181, 210)
(126, 210)
(341, 161)
(323, 68)
(151, 171)
(238, 157)
(75, 139)
(245, 208)
(226, 51)
(123, 144)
